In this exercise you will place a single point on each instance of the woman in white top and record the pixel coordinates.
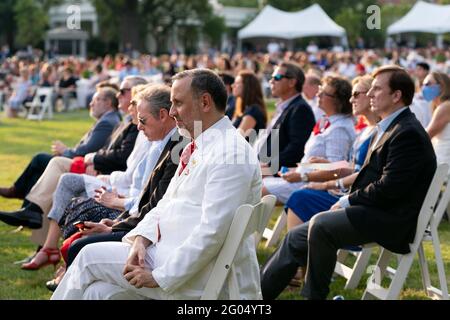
(436, 88)
(331, 139)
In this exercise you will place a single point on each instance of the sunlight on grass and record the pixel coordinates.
(21, 139)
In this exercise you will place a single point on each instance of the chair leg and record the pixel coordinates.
(400, 276)
(440, 264)
(280, 224)
(423, 264)
(359, 268)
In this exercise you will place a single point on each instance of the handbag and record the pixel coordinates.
(84, 209)
(77, 165)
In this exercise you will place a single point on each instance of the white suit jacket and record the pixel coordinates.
(195, 214)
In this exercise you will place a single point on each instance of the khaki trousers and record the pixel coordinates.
(42, 193)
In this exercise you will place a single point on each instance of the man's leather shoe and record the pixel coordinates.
(11, 193)
(23, 217)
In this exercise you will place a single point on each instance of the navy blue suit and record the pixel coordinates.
(93, 140)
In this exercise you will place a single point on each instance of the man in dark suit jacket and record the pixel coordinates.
(292, 123)
(384, 201)
(107, 120)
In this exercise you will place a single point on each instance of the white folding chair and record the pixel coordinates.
(273, 235)
(428, 218)
(353, 273)
(248, 221)
(39, 109)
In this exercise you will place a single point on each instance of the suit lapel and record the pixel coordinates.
(386, 135)
(284, 113)
(277, 124)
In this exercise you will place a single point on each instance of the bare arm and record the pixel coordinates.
(247, 123)
(441, 117)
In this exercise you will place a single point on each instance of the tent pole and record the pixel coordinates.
(291, 45)
(440, 40)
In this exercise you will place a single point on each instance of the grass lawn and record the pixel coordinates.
(21, 139)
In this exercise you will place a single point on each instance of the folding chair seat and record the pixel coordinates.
(248, 221)
(430, 214)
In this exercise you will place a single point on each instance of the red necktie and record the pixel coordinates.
(186, 155)
(321, 126)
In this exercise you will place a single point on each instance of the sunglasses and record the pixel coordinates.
(124, 90)
(357, 93)
(278, 77)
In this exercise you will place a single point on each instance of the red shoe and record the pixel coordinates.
(44, 257)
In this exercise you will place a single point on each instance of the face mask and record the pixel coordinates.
(431, 92)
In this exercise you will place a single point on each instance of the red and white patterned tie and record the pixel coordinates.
(186, 155)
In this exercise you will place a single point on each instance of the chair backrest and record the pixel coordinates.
(263, 212)
(247, 221)
(443, 204)
(41, 107)
(429, 204)
(43, 91)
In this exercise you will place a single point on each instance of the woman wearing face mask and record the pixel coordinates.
(436, 88)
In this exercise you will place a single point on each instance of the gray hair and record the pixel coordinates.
(157, 97)
(135, 80)
(109, 94)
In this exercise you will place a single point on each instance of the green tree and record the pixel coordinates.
(119, 21)
(213, 29)
(26, 20)
(128, 21)
(163, 15)
(8, 25)
(31, 22)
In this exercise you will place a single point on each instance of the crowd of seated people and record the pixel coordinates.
(140, 200)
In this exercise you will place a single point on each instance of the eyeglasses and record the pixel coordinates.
(278, 77)
(124, 90)
(142, 121)
(323, 92)
(357, 93)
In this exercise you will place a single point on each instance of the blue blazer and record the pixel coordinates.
(97, 137)
(294, 125)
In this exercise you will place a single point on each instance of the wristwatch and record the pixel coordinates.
(304, 177)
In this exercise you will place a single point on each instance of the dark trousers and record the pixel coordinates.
(79, 244)
(313, 244)
(32, 173)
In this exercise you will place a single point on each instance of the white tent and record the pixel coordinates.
(424, 17)
(274, 23)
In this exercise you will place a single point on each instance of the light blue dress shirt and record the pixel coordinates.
(143, 171)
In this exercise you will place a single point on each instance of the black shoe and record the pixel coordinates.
(23, 217)
(51, 285)
(11, 193)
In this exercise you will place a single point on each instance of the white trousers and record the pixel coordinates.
(97, 274)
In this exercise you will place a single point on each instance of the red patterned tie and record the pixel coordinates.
(186, 155)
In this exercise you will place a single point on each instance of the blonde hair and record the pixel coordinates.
(365, 81)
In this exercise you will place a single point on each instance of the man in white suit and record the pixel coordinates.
(171, 253)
